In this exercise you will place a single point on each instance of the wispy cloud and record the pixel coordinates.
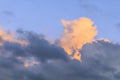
(89, 6)
(8, 13)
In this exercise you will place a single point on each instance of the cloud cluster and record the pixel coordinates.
(41, 60)
(16, 58)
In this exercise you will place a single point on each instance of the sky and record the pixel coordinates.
(59, 40)
(45, 16)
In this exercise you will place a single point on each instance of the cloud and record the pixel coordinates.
(89, 6)
(76, 34)
(103, 57)
(41, 60)
(37, 46)
(100, 61)
(8, 13)
(10, 37)
(15, 56)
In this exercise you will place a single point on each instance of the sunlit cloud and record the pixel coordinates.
(10, 37)
(76, 34)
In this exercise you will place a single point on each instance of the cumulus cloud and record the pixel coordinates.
(16, 59)
(100, 61)
(41, 60)
(76, 34)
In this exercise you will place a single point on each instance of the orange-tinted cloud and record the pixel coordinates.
(76, 34)
(10, 37)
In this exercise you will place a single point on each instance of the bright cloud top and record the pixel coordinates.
(76, 34)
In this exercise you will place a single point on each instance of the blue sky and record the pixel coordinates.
(44, 16)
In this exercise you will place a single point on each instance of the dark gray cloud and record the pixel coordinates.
(103, 57)
(100, 61)
(38, 47)
(42, 49)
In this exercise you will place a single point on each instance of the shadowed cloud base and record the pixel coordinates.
(41, 60)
